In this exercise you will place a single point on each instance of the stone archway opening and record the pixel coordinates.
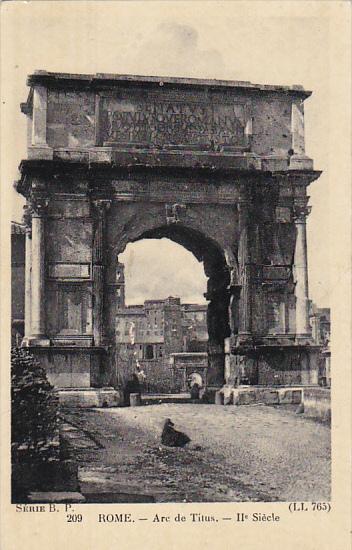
(158, 268)
(159, 328)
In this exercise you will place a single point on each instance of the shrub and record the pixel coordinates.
(34, 407)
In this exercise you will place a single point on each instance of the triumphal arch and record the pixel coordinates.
(216, 166)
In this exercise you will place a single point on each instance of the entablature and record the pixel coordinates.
(81, 179)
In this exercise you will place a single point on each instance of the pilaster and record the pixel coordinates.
(39, 147)
(298, 160)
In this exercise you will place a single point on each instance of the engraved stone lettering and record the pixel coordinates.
(172, 123)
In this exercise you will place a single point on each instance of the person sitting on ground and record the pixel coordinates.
(171, 437)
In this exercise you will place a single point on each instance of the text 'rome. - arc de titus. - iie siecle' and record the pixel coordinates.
(216, 166)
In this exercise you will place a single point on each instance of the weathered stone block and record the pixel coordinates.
(289, 396)
(40, 153)
(301, 163)
(219, 398)
(87, 398)
(268, 396)
(244, 397)
(273, 163)
(228, 395)
(100, 154)
(71, 118)
(135, 399)
(69, 240)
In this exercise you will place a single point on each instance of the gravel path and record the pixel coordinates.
(237, 454)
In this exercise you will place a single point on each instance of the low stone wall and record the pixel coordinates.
(317, 403)
(251, 395)
(315, 400)
(90, 397)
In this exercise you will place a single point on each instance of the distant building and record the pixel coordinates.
(194, 327)
(150, 334)
(120, 284)
(321, 333)
(320, 323)
(186, 366)
(17, 282)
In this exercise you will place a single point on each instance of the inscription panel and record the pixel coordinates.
(162, 121)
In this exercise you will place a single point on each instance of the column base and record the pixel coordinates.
(35, 341)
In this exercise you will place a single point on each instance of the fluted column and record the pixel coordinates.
(27, 291)
(100, 208)
(244, 257)
(37, 336)
(27, 220)
(300, 270)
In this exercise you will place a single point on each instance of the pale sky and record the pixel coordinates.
(227, 40)
(158, 268)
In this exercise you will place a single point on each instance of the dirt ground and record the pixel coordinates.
(237, 454)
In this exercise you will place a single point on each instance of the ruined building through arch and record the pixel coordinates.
(216, 166)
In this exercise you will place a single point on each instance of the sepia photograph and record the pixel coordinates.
(169, 214)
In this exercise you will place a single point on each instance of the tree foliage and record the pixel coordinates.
(34, 407)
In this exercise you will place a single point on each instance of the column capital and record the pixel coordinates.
(27, 219)
(101, 206)
(300, 212)
(38, 206)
